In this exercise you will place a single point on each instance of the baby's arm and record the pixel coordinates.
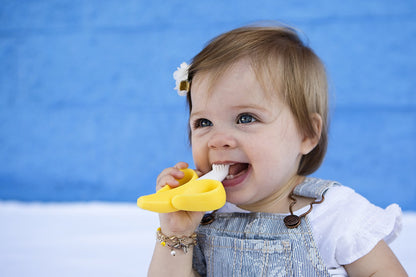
(178, 224)
(381, 261)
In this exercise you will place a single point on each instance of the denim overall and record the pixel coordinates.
(259, 244)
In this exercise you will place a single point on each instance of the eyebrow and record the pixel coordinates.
(238, 107)
(254, 107)
(198, 113)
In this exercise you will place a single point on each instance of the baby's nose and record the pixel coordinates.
(222, 140)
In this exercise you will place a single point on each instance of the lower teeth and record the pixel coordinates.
(229, 177)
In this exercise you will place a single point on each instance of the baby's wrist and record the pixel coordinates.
(176, 232)
(176, 243)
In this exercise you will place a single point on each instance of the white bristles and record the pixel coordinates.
(218, 172)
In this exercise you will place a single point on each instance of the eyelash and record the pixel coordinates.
(199, 122)
(240, 116)
(203, 122)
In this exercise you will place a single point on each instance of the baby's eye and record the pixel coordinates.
(245, 118)
(202, 122)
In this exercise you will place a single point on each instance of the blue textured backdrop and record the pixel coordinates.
(87, 109)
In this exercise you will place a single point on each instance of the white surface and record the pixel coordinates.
(102, 239)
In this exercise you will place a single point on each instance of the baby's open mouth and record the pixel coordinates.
(236, 170)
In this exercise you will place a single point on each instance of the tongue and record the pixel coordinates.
(237, 168)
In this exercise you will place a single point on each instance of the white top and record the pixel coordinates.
(346, 226)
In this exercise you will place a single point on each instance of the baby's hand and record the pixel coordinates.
(180, 223)
(170, 176)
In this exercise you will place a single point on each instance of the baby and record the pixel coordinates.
(258, 102)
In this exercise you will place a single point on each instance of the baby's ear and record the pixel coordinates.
(309, 142)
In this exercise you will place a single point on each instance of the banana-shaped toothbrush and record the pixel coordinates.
(193, 194)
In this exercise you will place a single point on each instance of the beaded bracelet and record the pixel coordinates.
(174, 242)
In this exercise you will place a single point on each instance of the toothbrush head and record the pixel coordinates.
(218, 172)
(221, 167)
(221, 170)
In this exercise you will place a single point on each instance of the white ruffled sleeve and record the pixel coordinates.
(365, 225)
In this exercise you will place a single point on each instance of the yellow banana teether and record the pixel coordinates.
(203, 194)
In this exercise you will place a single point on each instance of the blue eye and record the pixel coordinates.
(203, 122)
(245, 119)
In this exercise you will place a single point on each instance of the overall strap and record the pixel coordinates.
(313, 187)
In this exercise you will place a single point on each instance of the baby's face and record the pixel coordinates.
(236, 123)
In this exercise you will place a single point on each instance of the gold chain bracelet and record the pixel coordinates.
(174, 242)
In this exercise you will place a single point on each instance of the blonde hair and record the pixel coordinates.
(279, 58)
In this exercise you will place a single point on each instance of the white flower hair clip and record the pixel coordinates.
(181, 78)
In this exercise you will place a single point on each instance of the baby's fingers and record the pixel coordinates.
(181, 165)
(170, 176)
